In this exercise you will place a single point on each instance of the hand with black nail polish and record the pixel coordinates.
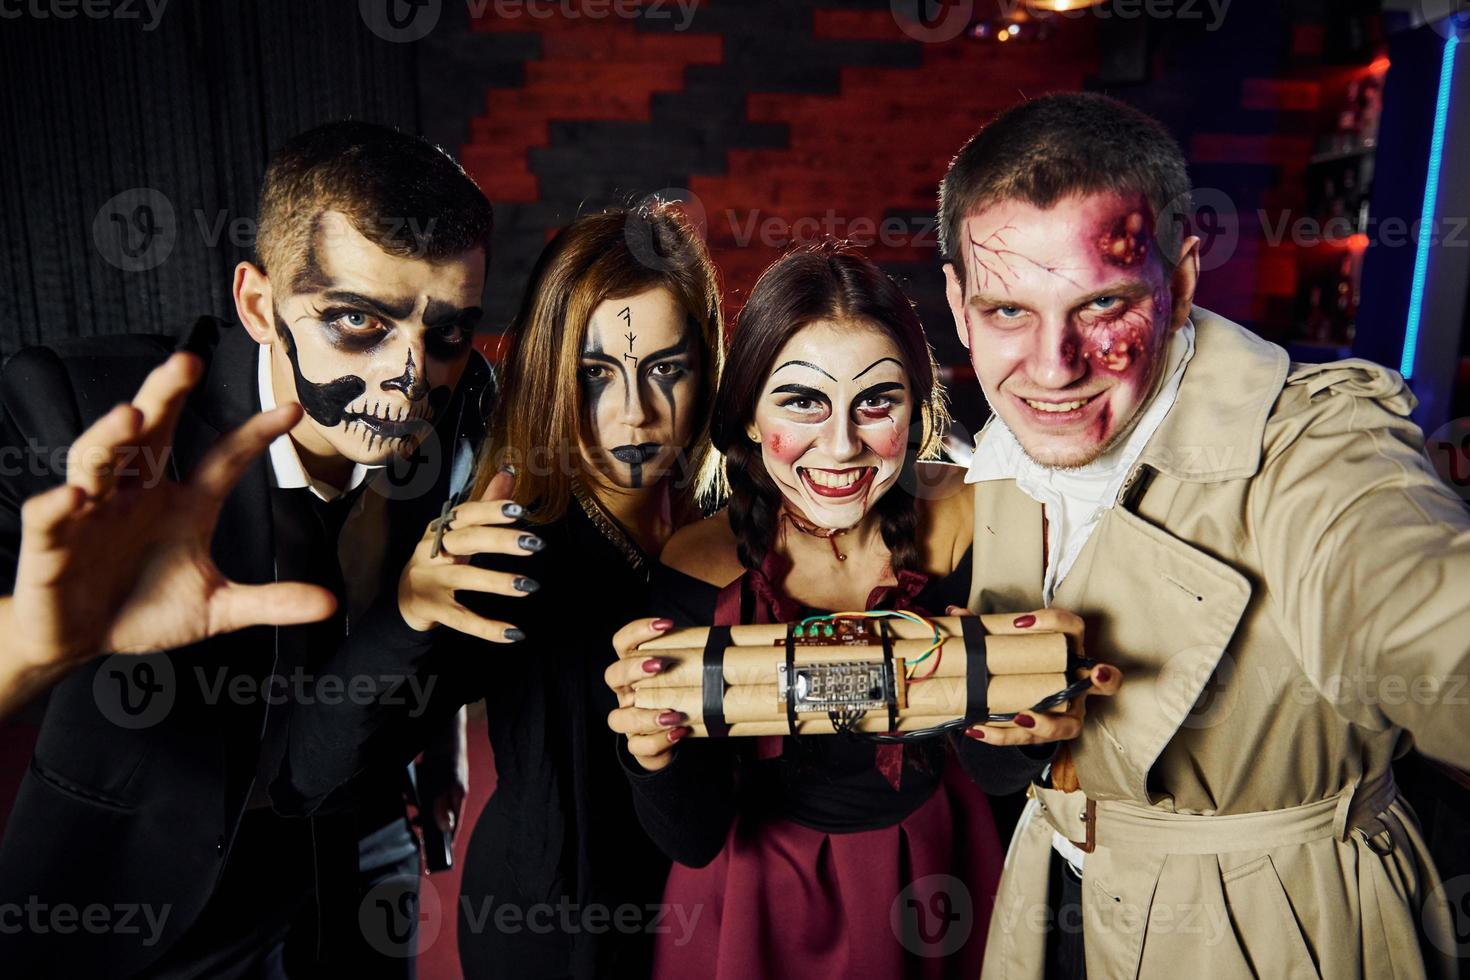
(440, 565)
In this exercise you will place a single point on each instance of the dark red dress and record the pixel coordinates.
(822, 856)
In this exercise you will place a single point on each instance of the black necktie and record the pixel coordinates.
(325, 568)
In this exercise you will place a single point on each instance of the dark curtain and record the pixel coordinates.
(177, 114)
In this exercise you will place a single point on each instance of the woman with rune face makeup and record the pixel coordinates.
(799, 850)
(603, 416)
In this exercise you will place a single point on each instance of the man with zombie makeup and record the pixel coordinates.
(158, 782)
(1259, 545)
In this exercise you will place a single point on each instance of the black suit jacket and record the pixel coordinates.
(143, 765)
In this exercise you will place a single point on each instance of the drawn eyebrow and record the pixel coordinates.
(387, 309)
(806, 364)
(803, 390)
(682, 347)
(879, 389)
(875, 364)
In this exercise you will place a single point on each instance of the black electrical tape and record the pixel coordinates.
(890, 683)
(714, 681)
(977, 671)
(791, 678)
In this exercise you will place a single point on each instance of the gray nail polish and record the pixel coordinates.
(524, 584)
(530, 542)
(515, 635)
(512, 510)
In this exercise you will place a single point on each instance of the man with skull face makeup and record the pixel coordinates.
(1262, 544)
(372, 251)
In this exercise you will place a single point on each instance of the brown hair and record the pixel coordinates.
(617, 253)
(400, 192)
(1071, 143)
(826, 282)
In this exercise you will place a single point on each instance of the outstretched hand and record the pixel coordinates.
(113, 562)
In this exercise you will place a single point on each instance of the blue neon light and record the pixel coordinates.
(1431, 195)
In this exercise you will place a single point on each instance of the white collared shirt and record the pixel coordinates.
(1074, 500)
(286, 469)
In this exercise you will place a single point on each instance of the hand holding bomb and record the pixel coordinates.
(868, 673)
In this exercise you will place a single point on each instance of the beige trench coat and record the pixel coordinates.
(1286, 585)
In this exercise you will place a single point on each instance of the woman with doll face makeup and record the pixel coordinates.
(833, 421)
(828, 404)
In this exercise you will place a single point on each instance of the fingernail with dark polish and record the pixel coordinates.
(975, 733)
(1102, 674)
(530, 542)
(507, 468)
(677, 733)
(1025, 721)
(515, 635)
(524, 584)
(512, 510)
(663, 624)
(652, 665)
(1024, 622)
(670, 718)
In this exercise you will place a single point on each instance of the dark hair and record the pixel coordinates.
(826, 282)
(1058, 145)
(610, 255)
(400, 192)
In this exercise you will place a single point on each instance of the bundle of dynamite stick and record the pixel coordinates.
(838, 665)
